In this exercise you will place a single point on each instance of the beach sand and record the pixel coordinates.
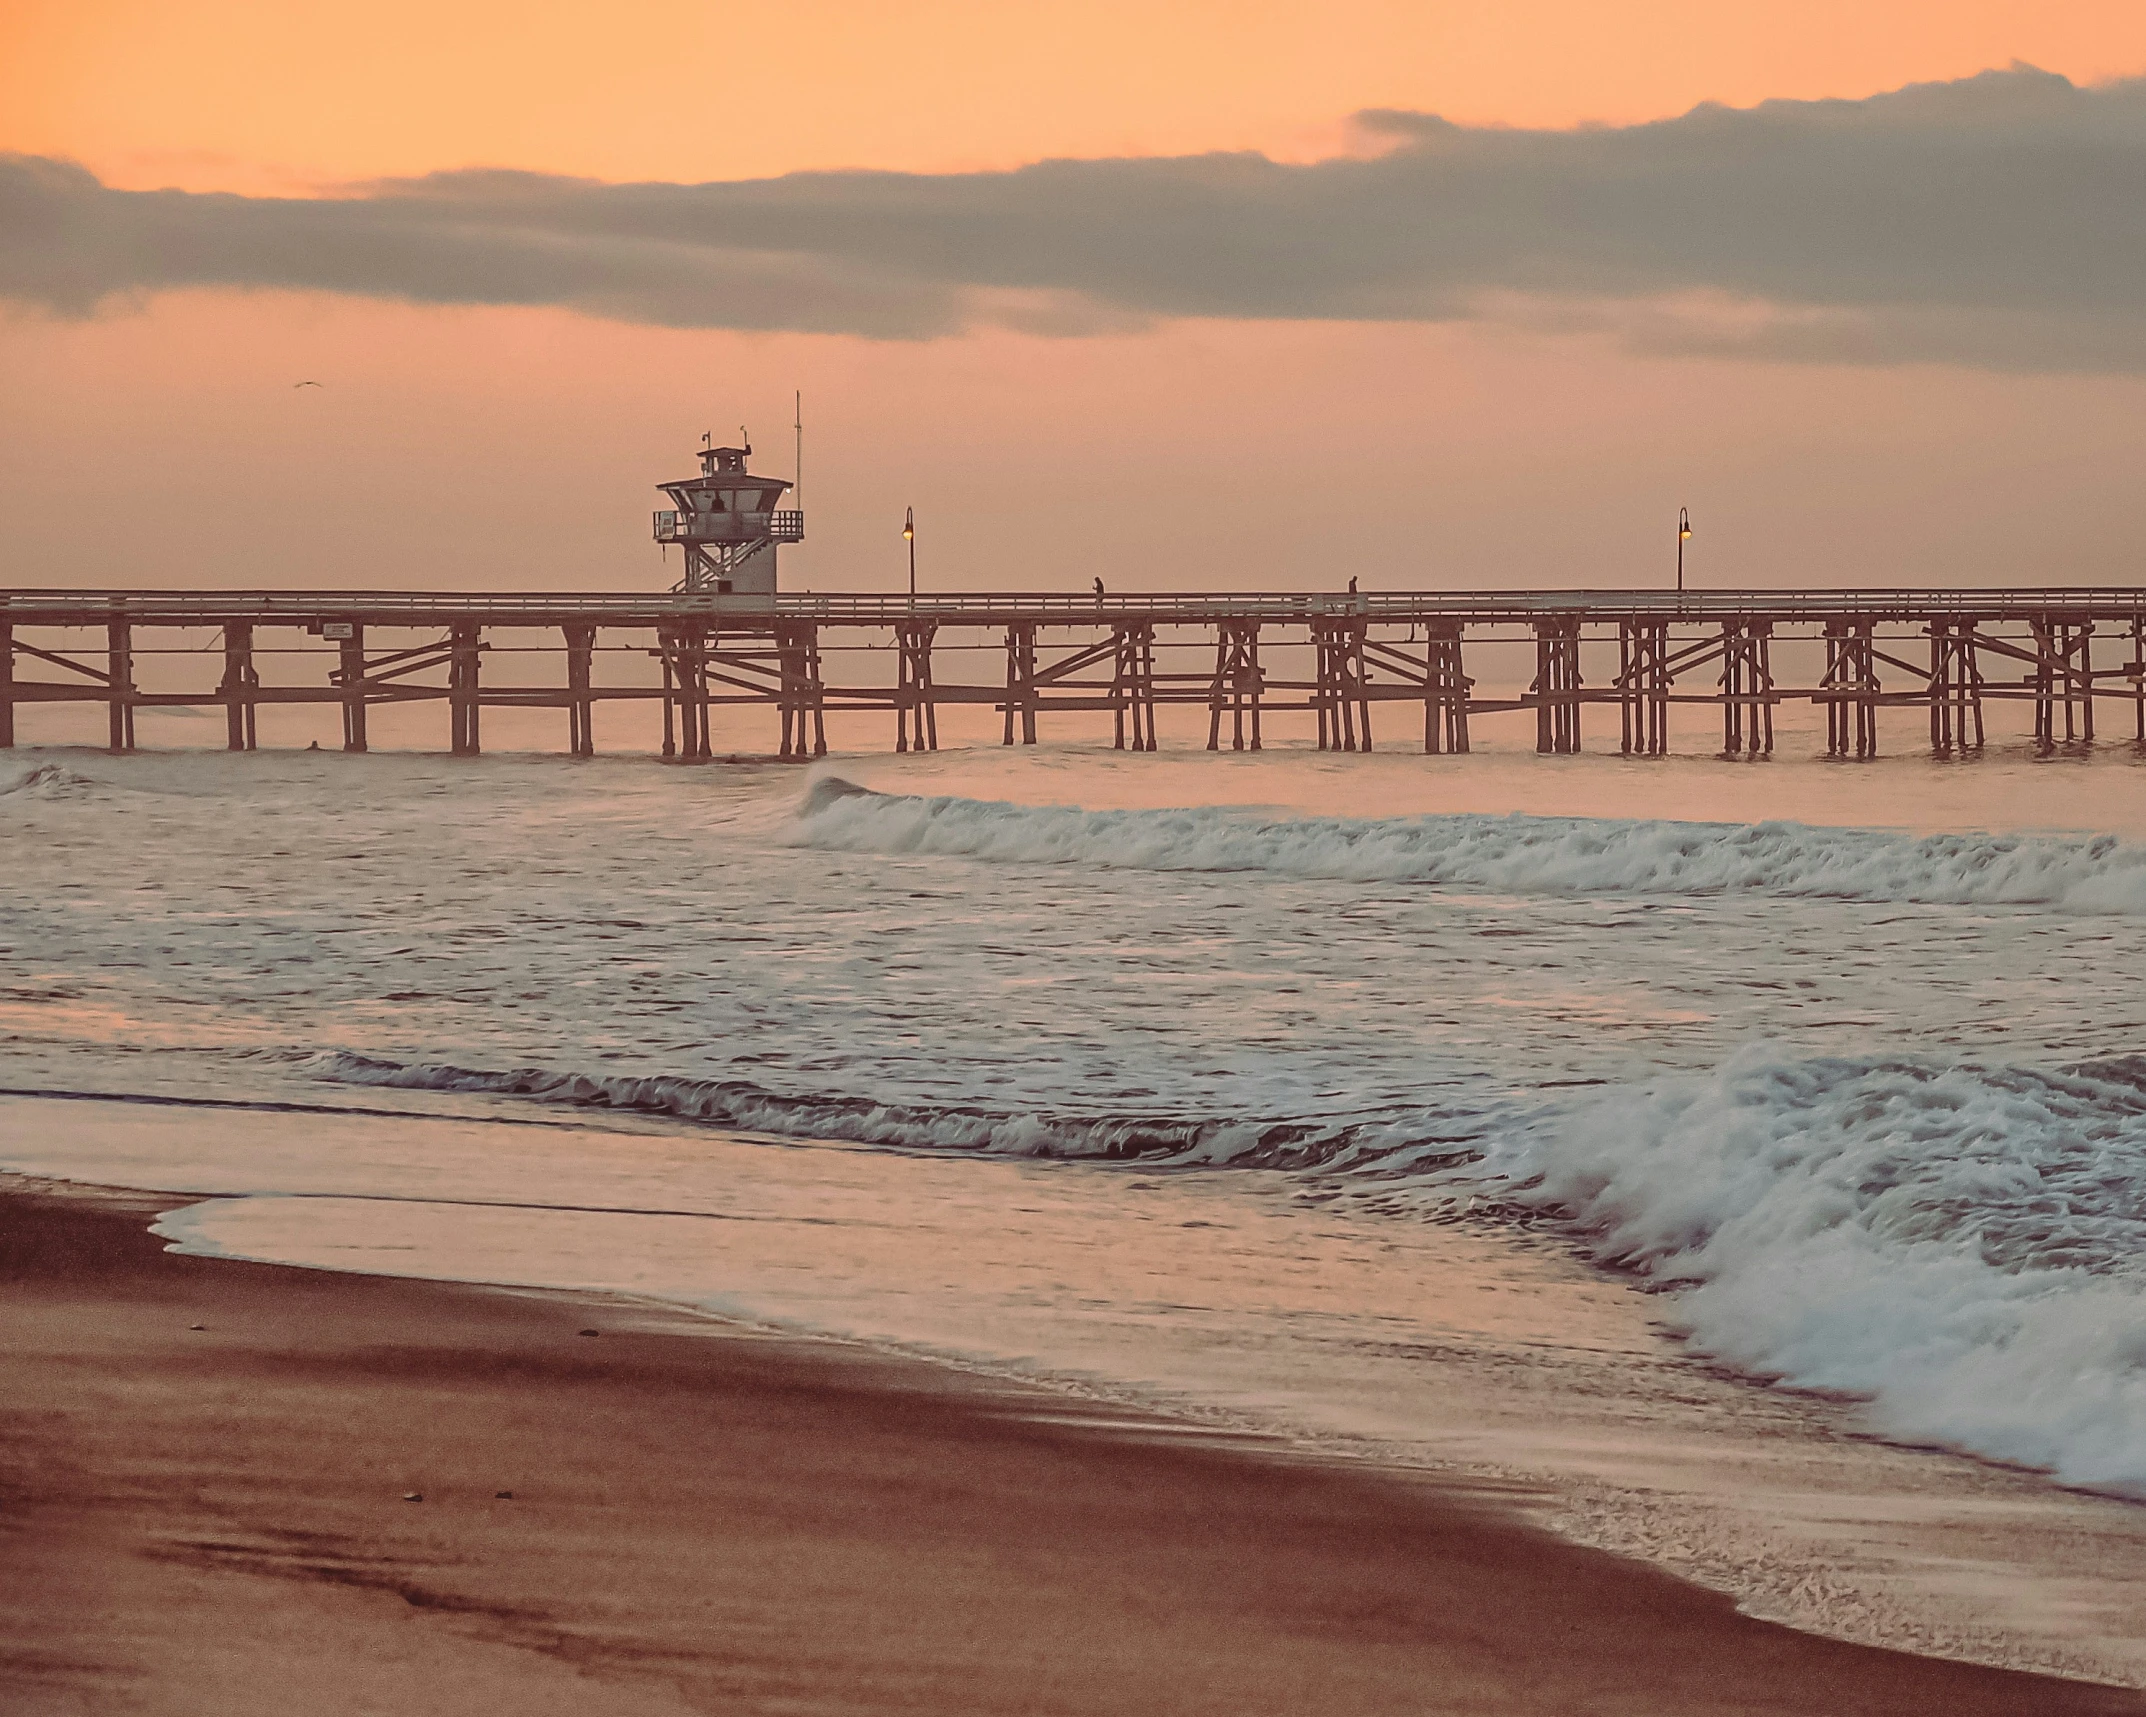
(217, 1519)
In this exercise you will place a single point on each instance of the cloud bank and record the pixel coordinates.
(1996, 221)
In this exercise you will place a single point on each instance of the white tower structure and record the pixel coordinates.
(729, 523)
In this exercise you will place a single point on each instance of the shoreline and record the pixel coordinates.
(702, 1518)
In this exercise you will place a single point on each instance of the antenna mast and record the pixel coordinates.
(797, 469)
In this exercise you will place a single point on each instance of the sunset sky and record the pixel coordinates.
(1434, 295)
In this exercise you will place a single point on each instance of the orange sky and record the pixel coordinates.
(508, 447)
(257, 94)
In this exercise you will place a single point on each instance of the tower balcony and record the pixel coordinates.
(780, 527)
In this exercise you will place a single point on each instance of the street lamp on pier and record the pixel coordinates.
(909, 535)
(1683, 536)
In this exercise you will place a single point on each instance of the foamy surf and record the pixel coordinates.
(1515, 854)
(1961, 1245)
(43, 781)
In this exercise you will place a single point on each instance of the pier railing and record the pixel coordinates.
(539, 608)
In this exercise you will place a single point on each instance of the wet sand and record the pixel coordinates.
(699, 1520)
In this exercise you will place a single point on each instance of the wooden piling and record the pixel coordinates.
(463, 695)
(1955, 687)
(7, 686)
(817, 678)
(1021, 681)
(1132, 687)
(2042, 678)
(695, 657)
(916, 711)
(684, 649)
(1339, 677)
(670, 705)
(1237, 685)
(2080, 687)
(119, 683)
(2062, 677)
(1556, 692)
(351, 677)
(2135, 670)
(802, 693)
(580, 682)
(1850, 687)
(684, 655)
(2079, 683)
(1445, 690)
(1643, 682)
(1325, 695)
(237, 687)
(1358, 676)
(1747, 690)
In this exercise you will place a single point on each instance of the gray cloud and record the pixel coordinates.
(1997, 221)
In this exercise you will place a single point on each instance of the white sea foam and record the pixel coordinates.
(43, 781)
(1335, 1143)
(1965, 1246)
(1565, 855)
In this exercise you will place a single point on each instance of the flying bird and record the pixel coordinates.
(309, 384)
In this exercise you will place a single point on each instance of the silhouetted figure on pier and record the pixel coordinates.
(1099, 590)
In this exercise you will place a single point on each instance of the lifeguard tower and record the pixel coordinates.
(728, 520)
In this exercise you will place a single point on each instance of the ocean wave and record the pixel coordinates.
(1336, 1143)
(1521, 854)
(1962, 1245)
(44, 781)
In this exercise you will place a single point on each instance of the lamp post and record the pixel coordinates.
(909, 535)
(1683, 536)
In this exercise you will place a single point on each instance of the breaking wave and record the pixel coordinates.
(1562, 855)
(1962, 1245)
(1965, 1246)
(44, 781)
(1336, 1143)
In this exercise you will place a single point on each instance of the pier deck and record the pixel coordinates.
(1241, 656)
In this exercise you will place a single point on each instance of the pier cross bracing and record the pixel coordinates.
(1924, 659)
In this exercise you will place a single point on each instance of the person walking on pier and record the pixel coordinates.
(1099, 593)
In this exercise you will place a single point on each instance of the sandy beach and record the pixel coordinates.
(1072, 859)
(342, 1493)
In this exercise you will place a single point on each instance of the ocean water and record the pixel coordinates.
(1419, 1107)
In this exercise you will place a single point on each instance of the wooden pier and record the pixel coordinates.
(1940, 654)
